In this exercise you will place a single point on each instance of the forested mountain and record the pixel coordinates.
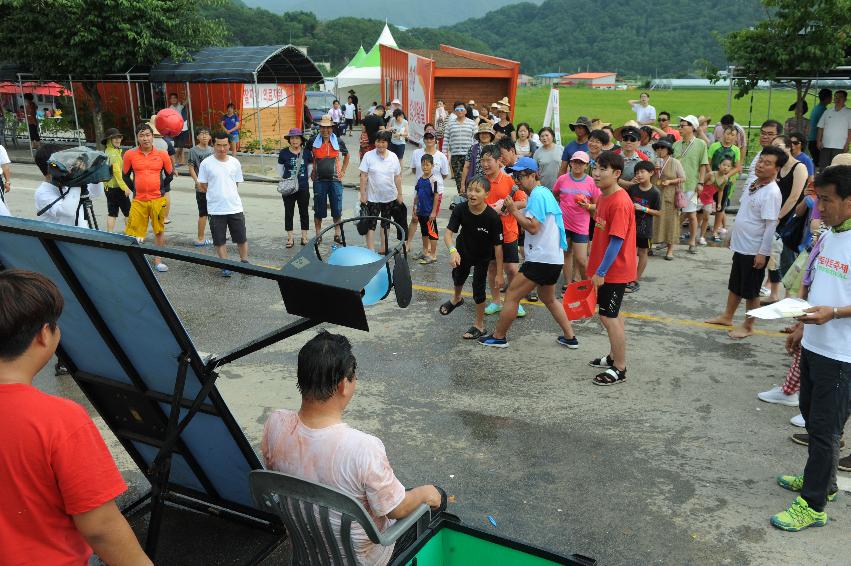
(407, 14)
(632, 37)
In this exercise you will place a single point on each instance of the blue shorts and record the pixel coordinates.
(573, 237)
(234, 136)
(323, 191)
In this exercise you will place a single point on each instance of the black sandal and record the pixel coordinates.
(290, 242)
(474, 333)
(611, 376)
(304, 241)
(449, 306)
(338, 240)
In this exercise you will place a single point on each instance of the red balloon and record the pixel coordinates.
(169, 122)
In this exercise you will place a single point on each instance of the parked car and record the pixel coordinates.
(319, 102)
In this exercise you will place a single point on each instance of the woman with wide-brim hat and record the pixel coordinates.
(118, 194)
(296, 154)
(668, 177)
(504, 127)
(473, 162)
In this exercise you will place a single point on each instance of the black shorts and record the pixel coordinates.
(424, 222)
(643, 243)
(745, 280)
(220, 224)
(510, 253)
(541, 273)
(181, 139)
(201, 201)
(34, 135)
(116, 200)
(382, 209)
(480, 278)
(609, 298)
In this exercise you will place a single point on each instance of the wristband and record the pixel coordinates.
(835, 313)
(453, 250)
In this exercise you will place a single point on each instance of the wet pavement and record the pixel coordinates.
(676, 466)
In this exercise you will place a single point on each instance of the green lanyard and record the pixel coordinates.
(844, 227)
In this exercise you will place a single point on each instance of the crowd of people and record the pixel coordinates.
(528, 219)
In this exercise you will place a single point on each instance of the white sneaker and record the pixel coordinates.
(764, 291)
(776, 395)
(702, 241)
(162, 268)
(798, 420)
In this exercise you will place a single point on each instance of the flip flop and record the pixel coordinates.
(304, 241)
(474, 333)
(290, 243)
(448, 306)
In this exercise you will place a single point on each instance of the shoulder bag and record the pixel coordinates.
(289, 185)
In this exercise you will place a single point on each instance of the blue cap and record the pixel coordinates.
(525, 164)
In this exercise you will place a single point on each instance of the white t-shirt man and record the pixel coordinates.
(644, 113)
(4, 160)
(66, 210)
(350, 111)
(381, 175)
(179, 108)
(221, 178)
(441, 164)
(341, 457)
(831, 288)
(545, 245)
(753, 231)
(836, 125)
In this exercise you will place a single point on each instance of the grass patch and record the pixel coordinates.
(611, 106)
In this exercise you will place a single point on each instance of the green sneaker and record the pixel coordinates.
(796, 483)
(798, 517)
(493, 308)
(520, 312)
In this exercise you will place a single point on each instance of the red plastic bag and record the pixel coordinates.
(580, 300)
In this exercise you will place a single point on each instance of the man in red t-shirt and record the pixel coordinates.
(612, 263)
(502, 187)
(59, 481)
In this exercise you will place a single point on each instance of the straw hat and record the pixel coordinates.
(153, 124)
(484, 128)
(631, 124)
(495, 106)
(841, 159)
(704, 119)
(597, 124)
(504, 101)
(326, 121)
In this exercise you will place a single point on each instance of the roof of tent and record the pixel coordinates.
(366, 68)
(358, 58)
(241, 64)
(386, 38)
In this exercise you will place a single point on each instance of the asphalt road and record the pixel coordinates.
(676, 466)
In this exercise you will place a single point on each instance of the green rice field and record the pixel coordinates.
(611, 105)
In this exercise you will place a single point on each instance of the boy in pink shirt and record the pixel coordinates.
(315, 444)
(576, 194)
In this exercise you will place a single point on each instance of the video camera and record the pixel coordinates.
(79, 166)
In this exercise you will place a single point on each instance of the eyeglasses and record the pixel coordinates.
(796, 142)
(630, 139)
(460, 109)
(684, 124)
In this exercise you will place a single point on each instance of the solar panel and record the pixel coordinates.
(132, 357)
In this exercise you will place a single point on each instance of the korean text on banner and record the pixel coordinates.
(268, 95)
(419, 91)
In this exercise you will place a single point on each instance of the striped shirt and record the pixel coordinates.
(459, 135)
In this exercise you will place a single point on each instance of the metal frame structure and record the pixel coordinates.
(141, 415)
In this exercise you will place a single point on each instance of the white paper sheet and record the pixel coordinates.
(785, 308)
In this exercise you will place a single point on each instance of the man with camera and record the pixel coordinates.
(59, 203)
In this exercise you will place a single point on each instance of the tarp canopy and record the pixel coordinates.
(50, 89)
(280, 64)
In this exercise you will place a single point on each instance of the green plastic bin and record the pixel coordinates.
(453, 544)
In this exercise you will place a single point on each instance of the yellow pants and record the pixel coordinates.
(140, 212)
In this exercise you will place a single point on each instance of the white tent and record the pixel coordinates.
(365, 68)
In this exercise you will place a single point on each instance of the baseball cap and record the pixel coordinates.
(580, 156)
(691, 119)
(525, 164)
(396, 101)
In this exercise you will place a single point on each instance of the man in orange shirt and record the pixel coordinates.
(147, 171)
(502, 187)
(59, 482)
